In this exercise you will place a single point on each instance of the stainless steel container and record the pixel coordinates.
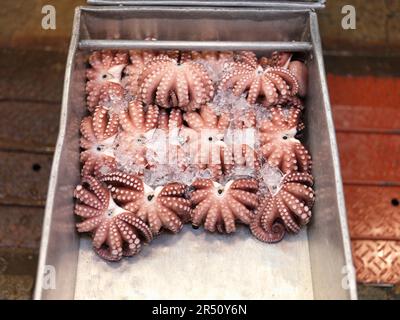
(316, 264)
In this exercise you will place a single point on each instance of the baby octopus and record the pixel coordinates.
(219, 206)
(116, 231)
(170, 83)
(288, 208)
(162, 207)
(271, 84)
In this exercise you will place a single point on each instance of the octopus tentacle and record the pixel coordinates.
(128, 235)
(89, 225)
(265, 226)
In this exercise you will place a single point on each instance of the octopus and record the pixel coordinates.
(266, 85)
(279, 145)
(99, 132)
(139, 124)
(205, 136)
(288, 209)
(218, 206)
(104, 77)
(170, 83)
(164, 207)
(116, 232)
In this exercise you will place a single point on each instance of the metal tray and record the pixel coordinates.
(316, 264)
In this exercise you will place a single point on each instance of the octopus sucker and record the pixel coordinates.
(116, 232)
(163, 207)
(218, 206)
(287, 210)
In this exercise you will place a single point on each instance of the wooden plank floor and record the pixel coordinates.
(30, 92)
(366, 113)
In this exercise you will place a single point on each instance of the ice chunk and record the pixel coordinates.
(270, 178)
(128, 150)
(157, 176)
(262, 113)
(215, 68)
(156, 144)
(242, 171)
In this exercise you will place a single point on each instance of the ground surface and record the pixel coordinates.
(31, 103)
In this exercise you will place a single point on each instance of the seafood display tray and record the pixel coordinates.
(315, 264)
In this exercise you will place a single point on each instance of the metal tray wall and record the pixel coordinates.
(328, 245)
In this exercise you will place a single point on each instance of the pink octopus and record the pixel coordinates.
(163, 207)
(116, 231)
(270, 83)
(99, 132)
(288, 208)
(278, 143)
(220, 206)
(170, 83)
(105, 77)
